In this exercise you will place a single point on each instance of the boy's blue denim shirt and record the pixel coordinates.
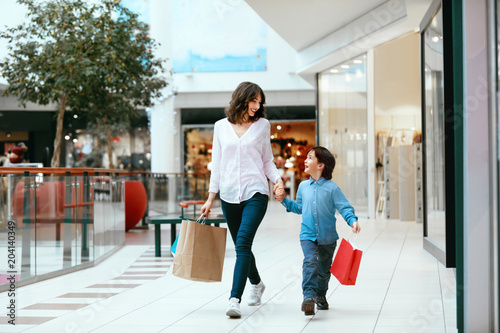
(317, 201)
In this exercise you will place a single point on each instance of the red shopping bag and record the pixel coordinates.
(346, 263)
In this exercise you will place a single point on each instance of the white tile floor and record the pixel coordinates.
(400, 288)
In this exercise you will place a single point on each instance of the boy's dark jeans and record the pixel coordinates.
(243, 219)
(316, 267)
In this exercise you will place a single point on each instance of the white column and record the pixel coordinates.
(478, 316)
(370, 127)
(165, 121)
(165, 137)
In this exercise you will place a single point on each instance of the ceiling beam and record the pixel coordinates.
(353, 39)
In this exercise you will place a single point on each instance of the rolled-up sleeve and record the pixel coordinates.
(270, 169)
(216, 157)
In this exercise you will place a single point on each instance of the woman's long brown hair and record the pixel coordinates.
(238, 107)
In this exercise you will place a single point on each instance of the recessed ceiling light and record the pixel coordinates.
(344, 66)
(357, 61)
(334, 70)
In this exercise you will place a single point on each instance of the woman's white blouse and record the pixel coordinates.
(241, 166)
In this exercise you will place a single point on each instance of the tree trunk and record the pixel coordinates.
(57, 141)
(97, 139)
(110, 147)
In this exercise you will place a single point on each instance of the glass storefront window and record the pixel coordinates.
(434, 121)
(131, 149)
(342, 127)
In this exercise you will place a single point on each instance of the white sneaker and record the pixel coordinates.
(256, 291)
(233, 309)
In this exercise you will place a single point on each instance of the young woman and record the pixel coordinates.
(242, 163)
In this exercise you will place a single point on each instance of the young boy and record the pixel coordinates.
(317, 200)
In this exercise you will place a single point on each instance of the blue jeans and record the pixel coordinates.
(243, 219)
(316, 267)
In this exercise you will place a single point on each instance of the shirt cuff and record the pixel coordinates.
(284, 203)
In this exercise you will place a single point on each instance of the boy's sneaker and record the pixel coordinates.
(256, 291)
(233, 309)
(308, 306)
(321, 303)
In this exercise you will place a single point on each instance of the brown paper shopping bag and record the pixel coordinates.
(200, 252)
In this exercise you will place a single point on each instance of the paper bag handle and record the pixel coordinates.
(349, 239)
(202, 219)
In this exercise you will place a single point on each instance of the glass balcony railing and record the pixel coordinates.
(165, 191)
(55, 220)
(58, 220)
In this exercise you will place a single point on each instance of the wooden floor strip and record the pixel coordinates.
(88, 295)
(55, 306)
(26, 320)
(115, 285)
(136, 278)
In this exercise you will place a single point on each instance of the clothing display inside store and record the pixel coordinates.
(399, 171)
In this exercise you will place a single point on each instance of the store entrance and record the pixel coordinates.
(290, 141)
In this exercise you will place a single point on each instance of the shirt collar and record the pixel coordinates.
(319, 181)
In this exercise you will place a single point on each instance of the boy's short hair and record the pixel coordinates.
(326, 157)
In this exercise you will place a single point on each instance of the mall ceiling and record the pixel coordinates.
(317, 25)
(301, 23)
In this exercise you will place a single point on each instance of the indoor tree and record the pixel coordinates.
(93, 57)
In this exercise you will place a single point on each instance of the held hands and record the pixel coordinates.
(279, 190)
(279, 194)
(355, 227)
